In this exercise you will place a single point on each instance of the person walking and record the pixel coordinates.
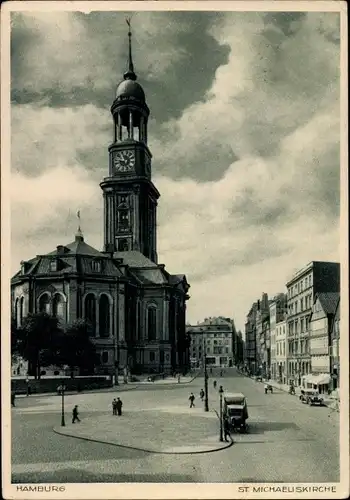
(227, 433)
(114, 406)
(75, 414)
(214, 384)
(191, 399)
(201, 394)
(119, 405)
(13, 398)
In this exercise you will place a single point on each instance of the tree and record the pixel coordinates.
(75, 348)
(37, 340)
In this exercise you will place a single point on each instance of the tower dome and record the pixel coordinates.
(128, 88)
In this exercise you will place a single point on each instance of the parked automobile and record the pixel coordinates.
(311, 397)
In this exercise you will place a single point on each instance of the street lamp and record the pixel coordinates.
(63, 423)
(206, 403)
(221, 390)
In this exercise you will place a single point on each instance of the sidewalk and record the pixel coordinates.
(330, 402)
(170, 429)
(122, 387)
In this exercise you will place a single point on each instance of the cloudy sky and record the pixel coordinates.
(244, 131)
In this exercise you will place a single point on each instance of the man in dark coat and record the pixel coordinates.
(114, 406)
(227, 433)
(75, 414)
(191, 399)
(119, 405)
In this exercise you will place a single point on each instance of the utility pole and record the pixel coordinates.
(206, 404)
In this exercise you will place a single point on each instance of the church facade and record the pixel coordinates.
(135, 307)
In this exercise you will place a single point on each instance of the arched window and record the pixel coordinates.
(58, 306)
(44, 303)
(90, 311)
(17, 313)
(21, 310)
(152, 323)
(104, 316)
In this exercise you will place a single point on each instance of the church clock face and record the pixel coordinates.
(124, 161)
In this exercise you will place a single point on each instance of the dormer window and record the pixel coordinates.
(53, 265)
(96, 266)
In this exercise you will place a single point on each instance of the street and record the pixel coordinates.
(287, 442)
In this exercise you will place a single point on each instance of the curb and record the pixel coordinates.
(287, 392)
(159, 452)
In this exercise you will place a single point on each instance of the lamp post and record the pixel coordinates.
(63, 423)
(221, 390)
(206, 403)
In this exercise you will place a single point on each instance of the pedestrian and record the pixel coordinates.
(220, 373)
(75, 414)
(201, 394)
(191, 399)
(13, 397)
(119, 405)
(214, 384)
(227, 433)
(114, 406)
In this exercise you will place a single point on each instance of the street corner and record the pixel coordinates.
(154, 431)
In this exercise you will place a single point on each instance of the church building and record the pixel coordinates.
(135, 307)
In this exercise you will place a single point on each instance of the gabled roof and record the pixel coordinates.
(328, 300)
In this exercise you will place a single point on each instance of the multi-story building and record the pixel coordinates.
(334, 349)
(250, 339)
(262, 336)
(281, 351)
(278, 312)
(321, 324)
(301, 289)
(212, 338)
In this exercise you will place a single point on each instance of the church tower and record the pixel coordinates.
(130, 197)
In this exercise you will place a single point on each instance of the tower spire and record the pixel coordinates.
(79, 234)
(130, 74)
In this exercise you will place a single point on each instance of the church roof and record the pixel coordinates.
(76, 257)
(133, 258)
(77, 247)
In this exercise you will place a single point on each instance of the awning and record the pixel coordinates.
(320, 379)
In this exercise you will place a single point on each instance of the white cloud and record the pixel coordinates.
(274, 106)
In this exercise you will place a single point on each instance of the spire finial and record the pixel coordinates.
(79, 234)
(130, 74)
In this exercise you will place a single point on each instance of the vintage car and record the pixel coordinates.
(235, 411)
(311, 397)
